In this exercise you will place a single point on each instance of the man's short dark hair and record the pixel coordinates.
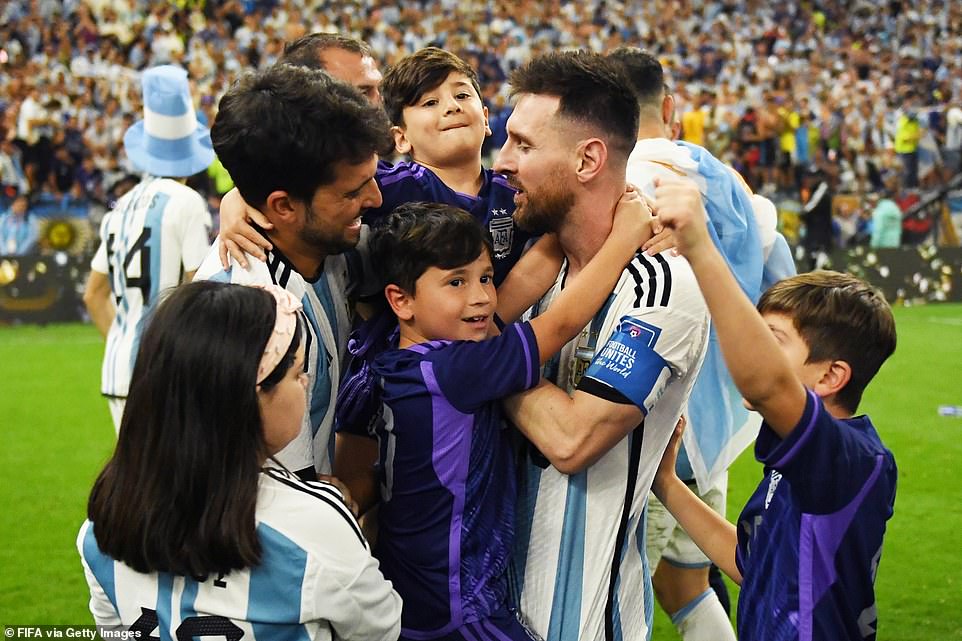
(308, 51)
(418, 236)
(286, 128)
(644, 72)
(414, 75)
(593, 90)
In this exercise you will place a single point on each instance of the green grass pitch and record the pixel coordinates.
(57, 434)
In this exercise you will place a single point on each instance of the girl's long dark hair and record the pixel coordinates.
(180, 491)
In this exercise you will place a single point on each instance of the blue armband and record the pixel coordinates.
(629, 364)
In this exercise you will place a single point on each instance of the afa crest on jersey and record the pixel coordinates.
(501, 227)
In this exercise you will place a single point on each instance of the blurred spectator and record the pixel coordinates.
(866, 89)
(907, 135)
(12, 177)
(886, 223)
(817, 216)
(18, 229)
(953, 141)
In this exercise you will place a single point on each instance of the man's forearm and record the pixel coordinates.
(102, 316)
(571, 431)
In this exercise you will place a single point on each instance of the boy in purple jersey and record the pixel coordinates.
(433, 100)
(808, 543)
(445, 467)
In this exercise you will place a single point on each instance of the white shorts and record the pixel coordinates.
(666, 539)
(116, 405)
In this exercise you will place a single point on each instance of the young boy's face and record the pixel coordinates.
(446, 125)
(455, 304)
(795, 349)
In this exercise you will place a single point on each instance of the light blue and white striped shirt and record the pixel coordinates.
(316, 581)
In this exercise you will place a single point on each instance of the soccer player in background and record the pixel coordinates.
(194, 528)
(157, 235)
(610, 401)
(808, 542)
(302, 148)
(446, 469)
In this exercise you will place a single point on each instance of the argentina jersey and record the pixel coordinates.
(328, 315)
(493, 207)
(156, 233)
(580, 570)
(817, 521)
(316, 580)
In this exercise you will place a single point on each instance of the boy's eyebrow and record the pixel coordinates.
(455, 270)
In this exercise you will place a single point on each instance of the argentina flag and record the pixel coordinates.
(722, 427)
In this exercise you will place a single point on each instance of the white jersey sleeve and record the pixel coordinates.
(649, 343)
(316, 579)
(191, 225)
(99, 262)
(103, 611)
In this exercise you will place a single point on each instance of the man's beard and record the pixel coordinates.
(326, 242)
(546, 208)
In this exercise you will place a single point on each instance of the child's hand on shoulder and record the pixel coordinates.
(632, 221)
(236, 234)
(678, 206)
(665, 474)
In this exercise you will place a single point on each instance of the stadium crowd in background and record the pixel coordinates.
(868, 95)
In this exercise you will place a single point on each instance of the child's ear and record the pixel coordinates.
(400, 302)
(834, 379)
(487, 127)
(401, 143)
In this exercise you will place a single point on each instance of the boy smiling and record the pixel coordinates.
(445, 465)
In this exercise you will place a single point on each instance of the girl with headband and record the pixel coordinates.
(193, 530)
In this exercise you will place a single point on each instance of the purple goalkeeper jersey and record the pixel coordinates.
(447, 476)
(810, 537)
(493, 207)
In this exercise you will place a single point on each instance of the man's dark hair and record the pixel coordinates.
(644, 72)
(840, 317)
(287, 128)
(418, 236)
(593, 90)
(179, 494)
(308, 51)
(416, 74)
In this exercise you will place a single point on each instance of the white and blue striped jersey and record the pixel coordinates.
(580, 570)
(316, 581)
(157, 232)
(328, 314)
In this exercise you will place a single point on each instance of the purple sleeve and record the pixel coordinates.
(472, 374)
(827, 460)
(399, 184)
